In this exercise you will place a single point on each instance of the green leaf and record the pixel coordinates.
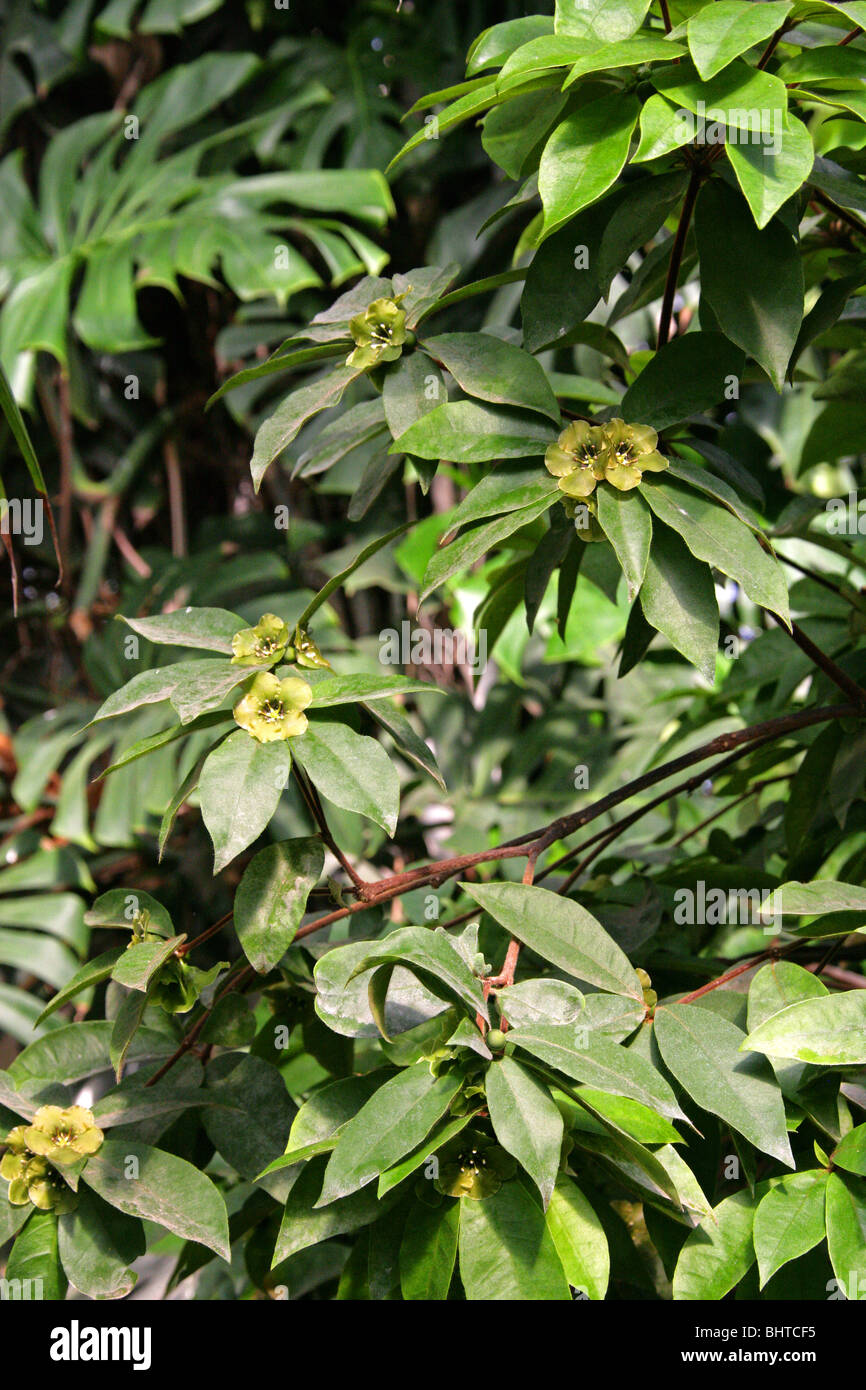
(624, 53)
(351, 770)
(559, 931)
(599, 1062)
(719, 1252)
(507, 488)
(160, 1187)
(76, 1051)
(846, 1233)
(428, 1251)
(525, 1121)
(702, 1049)
(599, 20)
(197, 692)
(399, 1116)
(345, 690)
(506, 1250)
(20, 433)
(395, 723)
(580, 1241)
(662, 130)
(250, 1119)
(753, 282)
(584, 156)
(789, 1220)
(328, 1109)
(465, 432)
(685, 377)
(769, 177)
(278, 431)
(140, 962)
(304, 1224)
(151, 687)
(678, 598)
(239, 790)
(820, 896)
(338, 580)
(35, 1260)
(125, 907)
(721, 32)
(272, 897)
(209, 628)
(433, 956)
(627, 522)
(829, 1031)
(738, 93)
(714, 534)
(850, 1153)
(472, 545)
(97, 1245)
(493, 370)
(127, 1021)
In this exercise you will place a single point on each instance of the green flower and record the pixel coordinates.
(30, 1177)
(473, 1167)
(578, 458)
(46, 1188)
(14, 1163)
(262, 645)
(306, 652)
(632, 452)
(272, 709)
(63, 1136)
(379, 333)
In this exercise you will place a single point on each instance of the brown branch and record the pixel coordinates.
(840, 679)
(682, 231)
(842, 213)
(317, 811)
(541, 839)
(853, 34)
(772, 45)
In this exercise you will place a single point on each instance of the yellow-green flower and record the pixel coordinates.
(632, 451)
(306, 652)
(578, 458)
(473, 1167)
(262, 645)
(31, 1178)
(14, 1163)
(46, 1188)
(379, 334)
(272, 709)
(63, 1136)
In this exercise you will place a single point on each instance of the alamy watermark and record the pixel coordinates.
(751, 126)
(441, 646)
(22, 516)
(743, 907)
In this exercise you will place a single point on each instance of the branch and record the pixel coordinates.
(677, 254)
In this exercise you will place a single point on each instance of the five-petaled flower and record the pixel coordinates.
(379, 334)
(63, 1136)
(473, 1167)
(585, 455)
(262, 645)
(272, 709)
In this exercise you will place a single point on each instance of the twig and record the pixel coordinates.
(682, 231)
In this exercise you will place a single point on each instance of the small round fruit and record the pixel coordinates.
(496, 1040)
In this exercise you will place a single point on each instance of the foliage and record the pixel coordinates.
(379, 1016)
